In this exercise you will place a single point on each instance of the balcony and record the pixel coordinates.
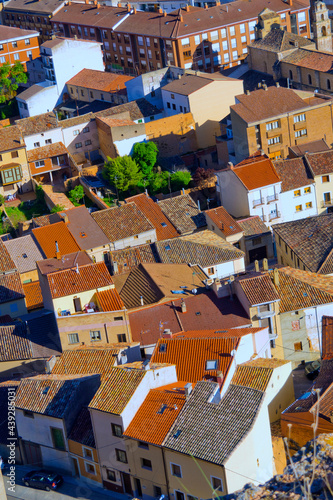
(326, 203)
(263, 218)
(265, 314)
(258, 202)
(272, 197)
(274, 215)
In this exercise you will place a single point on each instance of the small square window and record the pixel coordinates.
(121, 337)
(168, 105)
(308, 205)
(85, 130)
(143, 445)
(146, 464)
(48, 141)
(118, 318)
(297, 192)
(298, 208)
(90, 468)
(36, 144)
(78, 145)
(87, 142)
(307, 190)
(217, 484)
(211, 364)
(211, 270)
(28, 414)
(176, 470)
(325, 178)
(298, 346)
(117, 430)
(14, 154)
(87, 453)
(121, 456)
(73, 338)
(95, 335)
(111, 475)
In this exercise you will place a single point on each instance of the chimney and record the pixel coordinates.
(247, 92)
(183, 305)
(265, 264)
(58, 254)
(118, 4)
(98, 5)
(181, 19)
(277, 84)
(141, 300)
(256, 265)
(219, 379)
(95, 2)
(134, 10)
(206, 6)
(276, 277)
(21, 141)
(290, 3)
(179, 77)
(188, 389)
(187, 8)
(164, 13)
(218, 2)
(230, 164)
(167, 334)
(262, 152)
(160, 10)
(264, 86)
(128, 7)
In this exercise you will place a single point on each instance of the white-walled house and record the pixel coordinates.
(41, 130)
(62, 59)
(111, 414)
(251, 188)
(80, 136)
(298, 193)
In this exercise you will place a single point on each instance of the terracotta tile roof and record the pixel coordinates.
(125, 259)
(225, 334)
(10, 287)
(33, 295)
(271, 363)
(24, 252)
(327, 337)
(310, 147)
(252, 376)
(164, 228)
(267, 104)
(301, 289)
(9, 33)
(325, 404)
(204, 248)
(109, 300)
(122, 222)
(141, 108)
(294, 173)
(204, 311)
(43, 334)
(77, 120)
(258, 288)
(258, 174)
(87, 360)
(83, 228)
(191, 354)
(311, 59)
(117, 390)
(310, 239)
(38, 124)
(47, 236)
(14, 344)
(115, 122)
(157, 414)
(223, 221)
(70, 282)
(68, 261)
(153, 282)
(221, 426)
(320, 163)
(50, 395)
(44, 152)
(278, 40)
(183, 212)
(6, 262)
(253, 226)
(45, 220)
(100, 80)
(82, 430)
(11, 138)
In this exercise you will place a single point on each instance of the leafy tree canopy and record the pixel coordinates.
(123, 172)
(145, 155)
(10, 78)
(76, 194)
(180, 179)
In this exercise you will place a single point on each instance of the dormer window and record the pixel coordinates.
(211, 364)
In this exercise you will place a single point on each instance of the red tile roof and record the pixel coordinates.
(224, 221)
(69, 282)
(87, 360)
(100, 80)
(55, 149)
(109, 300)
(47, 236)
(258, 289)
(157, 413)
(253, 226)
(33, 295)
(10, 287)
(6, 262)
(257, 174)
(227, 333)
(164, 228)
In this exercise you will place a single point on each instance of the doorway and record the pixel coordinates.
(138, 489)
(77, 304)
(127, 483)
(75, 467)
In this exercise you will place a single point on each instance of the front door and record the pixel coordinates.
(77, 304)
(32, 454)
(138, 489)
(75, 467)
(127, 483)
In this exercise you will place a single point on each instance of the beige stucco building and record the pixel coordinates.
(14, 169)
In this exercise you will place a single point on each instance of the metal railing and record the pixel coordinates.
(260, 201)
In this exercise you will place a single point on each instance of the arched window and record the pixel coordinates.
(309, 79)
(322, 17)
(328, 84)
(290, 74)
(323, 31)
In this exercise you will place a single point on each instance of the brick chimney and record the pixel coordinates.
(128, 7)
(165, 13)
(187, 8)
(181, 19)
(183, 306)
(119, 5)
(58, 254)
(160, 10)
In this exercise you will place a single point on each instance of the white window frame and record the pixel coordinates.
(84, 448)
(90, 464)
(211, 482)
(78, 338)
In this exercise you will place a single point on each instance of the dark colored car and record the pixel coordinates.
(312, 369)
(43, 480)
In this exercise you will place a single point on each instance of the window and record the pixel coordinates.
(168, 105)
(176, 470)
(211, 364)
(87, 453)
(197, 39)
(307, 190)
(1, 46)
(204, 36)
(310, 79)
(191, 497)
(297, 192)
(78, 145)
(121, 456)
(95, 335)
(300, 133)
(17, 57)
(225, 45)
(325, 178)
(217, 483)
(272, 125)
(144, 445)
(121, 337)
(243, 39)
(76, 132)
(90, 468)
(73, 338)
(308, 204)
(298, 346)
(14, 154)
(36, 144)
(40, 163)
(14, 45)
(242, 28)
(87, 142)
(299, 118)
(274, 140)
(58, 438)
(173, 106)
(214, 35)
(140, 40)
(233, 43)
(117, 430)
(235, 55)
(111, 475)
(92, 96)
(2, 59)
(28, 414)
(211, 270)
(328, 84)
(232, 30)
(48, 141)
(92, 32)
(298, 208)
(223, 33)
(157, 491)
(226, 57)
(146, 464)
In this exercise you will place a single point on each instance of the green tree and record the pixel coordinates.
(57, 208)
(145, 155)
(159, 183)
(180, 179)
(76, 194)
(122, 172)
(10, 78)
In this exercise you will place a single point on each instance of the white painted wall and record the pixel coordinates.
(289, 202)
(125, 146)
(233, 195)
(54, 134)
(176, 102)
(134, 242)
(41, 102)
(37, 429)
(69, 139)
(226, 268)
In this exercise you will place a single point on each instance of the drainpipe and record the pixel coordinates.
(320, 350)
(106, 333)
(166, 474)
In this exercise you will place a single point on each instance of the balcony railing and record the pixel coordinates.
(274, 215)
(263, 218)
(326, 203)
(260, 201)
(272, 197)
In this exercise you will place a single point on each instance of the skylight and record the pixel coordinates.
(211, 364)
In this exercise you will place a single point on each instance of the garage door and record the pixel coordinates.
(257, 254)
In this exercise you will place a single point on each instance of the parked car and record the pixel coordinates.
(312, 369)
(43, 480)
